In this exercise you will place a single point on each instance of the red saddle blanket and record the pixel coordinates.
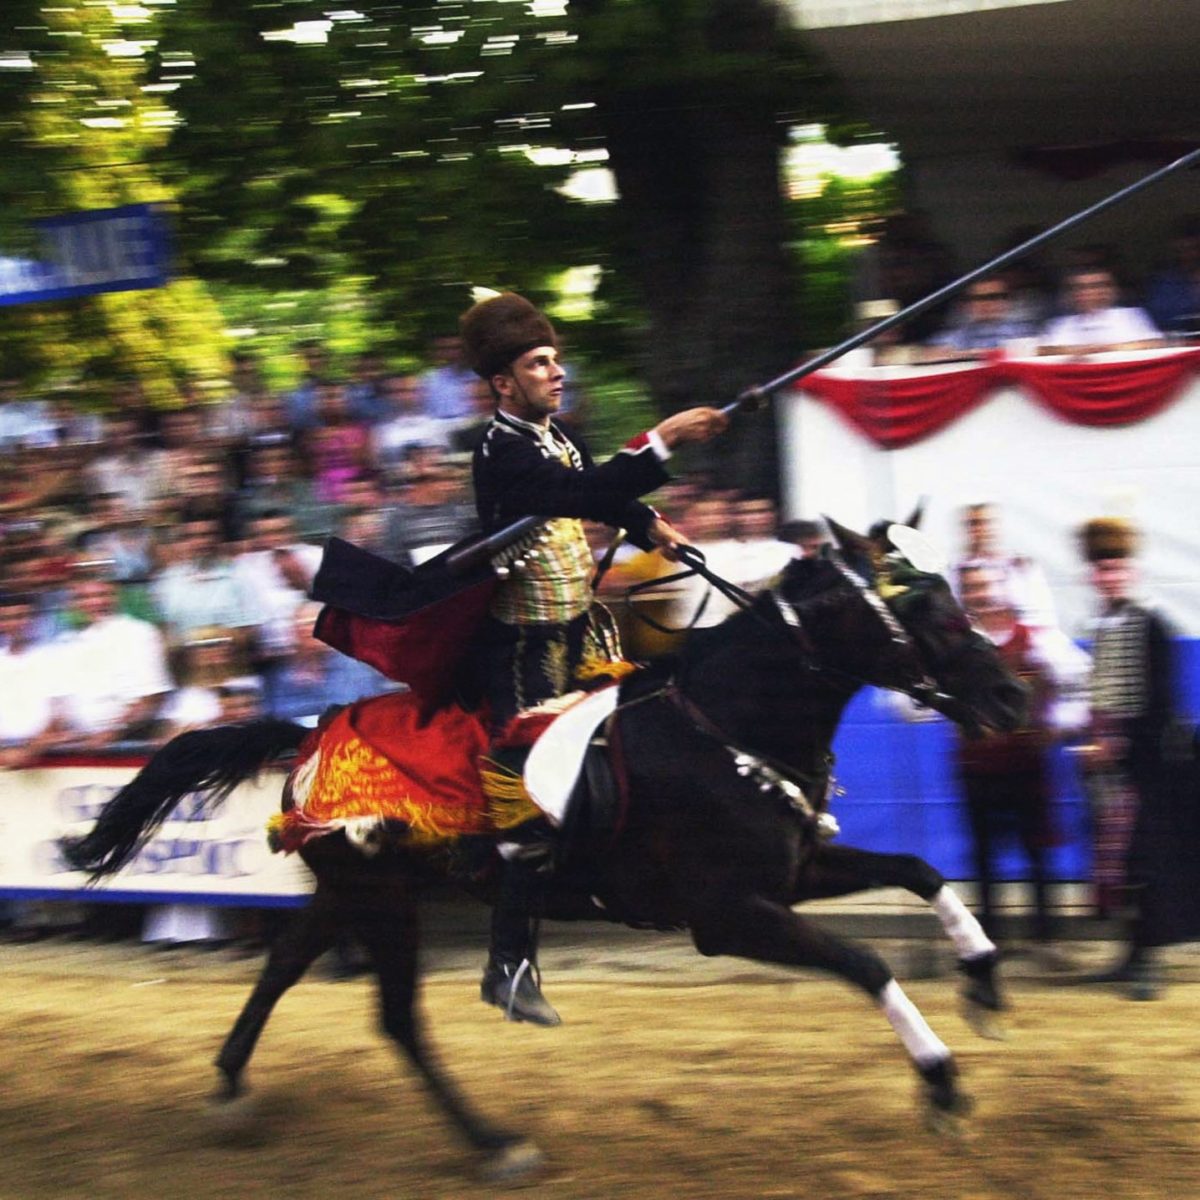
(389, 759)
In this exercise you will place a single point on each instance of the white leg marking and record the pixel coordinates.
(961, 927)
(911, 1028)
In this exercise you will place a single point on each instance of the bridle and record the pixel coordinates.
(920, 685)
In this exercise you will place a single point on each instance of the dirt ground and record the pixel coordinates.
(689, 1082)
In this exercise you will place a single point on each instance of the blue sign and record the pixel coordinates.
(106, 250)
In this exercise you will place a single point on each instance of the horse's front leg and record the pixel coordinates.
(843, 871)
(760, 929)
(386, 920)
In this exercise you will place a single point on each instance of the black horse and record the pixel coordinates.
(726, 762)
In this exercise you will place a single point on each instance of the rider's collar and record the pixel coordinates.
(531, 427)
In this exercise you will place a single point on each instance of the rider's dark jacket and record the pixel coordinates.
(520, 470)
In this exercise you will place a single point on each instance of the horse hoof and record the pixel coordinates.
(947, 1124)
(946, 1105)
(231, 1118)
(985, 1021)
(513, 1163)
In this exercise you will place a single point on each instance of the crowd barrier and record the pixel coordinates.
(197, 856)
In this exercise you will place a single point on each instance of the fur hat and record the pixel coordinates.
(1108, 537)
(500, 329)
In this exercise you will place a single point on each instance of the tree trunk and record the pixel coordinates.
(702, 214)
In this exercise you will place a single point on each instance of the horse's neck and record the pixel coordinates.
(763, 698)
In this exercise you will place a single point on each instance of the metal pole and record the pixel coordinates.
(752, 397)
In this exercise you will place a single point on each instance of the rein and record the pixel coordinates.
(922, 690)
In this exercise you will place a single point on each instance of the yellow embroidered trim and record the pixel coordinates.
(595, 667)
(509, 804)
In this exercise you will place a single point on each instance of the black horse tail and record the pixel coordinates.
(208, 761)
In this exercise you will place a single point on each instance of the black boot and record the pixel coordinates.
(511, 980)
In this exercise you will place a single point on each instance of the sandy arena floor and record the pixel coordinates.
(672, 1077)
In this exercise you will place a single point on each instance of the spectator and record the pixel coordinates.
(905, 264)
(366, 527)
(469, 432)
(237, 418)
(1030, 281)
(301, 402)
(201, 588)
(1096, 320)
(312, 677)
(181, 439)
(1020, 578)
(1173, 294)
(405, 424)
(761, 552)
(30, 703)
(448, 387)
(129, 397)
(1146, 840)
(122, 465)
(117, 534)
(338, 446)
(275, 570)
(204, 481)
(984, 322)
(709, 523)
(365, 400)
(433, 512)
(807, 536)
(1005, 777)
(112, 668)
(211, 670)
(274, 483)
(209, 667)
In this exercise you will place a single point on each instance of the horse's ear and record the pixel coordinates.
(849, 542)
(914, 521)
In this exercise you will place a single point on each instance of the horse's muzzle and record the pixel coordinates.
(1005, 706)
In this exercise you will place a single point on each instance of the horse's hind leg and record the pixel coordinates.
(308, 936)
(757, 928)
(388, 926)
(842, 871)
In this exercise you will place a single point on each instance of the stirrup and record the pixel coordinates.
(538, 1011)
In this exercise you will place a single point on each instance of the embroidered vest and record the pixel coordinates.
(555, 584)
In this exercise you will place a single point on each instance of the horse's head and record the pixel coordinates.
(877, 609)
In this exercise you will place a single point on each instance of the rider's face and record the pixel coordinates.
(532, 386)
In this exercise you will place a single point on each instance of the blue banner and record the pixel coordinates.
(105, 250)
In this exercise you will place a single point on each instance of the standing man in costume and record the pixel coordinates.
(543, 621)
(1006, 777)
(1141, 773)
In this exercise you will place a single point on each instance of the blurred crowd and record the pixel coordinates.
(155, 563)
(1087, 301)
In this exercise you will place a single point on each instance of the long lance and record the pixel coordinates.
(752, 397)
(512, 535)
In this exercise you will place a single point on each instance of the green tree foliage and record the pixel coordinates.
(78, 131)
(349, 173)
(416, 118)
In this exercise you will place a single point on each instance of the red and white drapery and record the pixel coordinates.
(896, 411)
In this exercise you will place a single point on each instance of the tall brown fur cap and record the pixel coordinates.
(1107, 537)
(500, 329)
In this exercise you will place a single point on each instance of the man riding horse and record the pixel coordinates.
(544, 621)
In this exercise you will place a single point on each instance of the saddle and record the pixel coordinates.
(430, 779)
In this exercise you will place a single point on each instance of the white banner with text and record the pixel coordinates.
(218, 857)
